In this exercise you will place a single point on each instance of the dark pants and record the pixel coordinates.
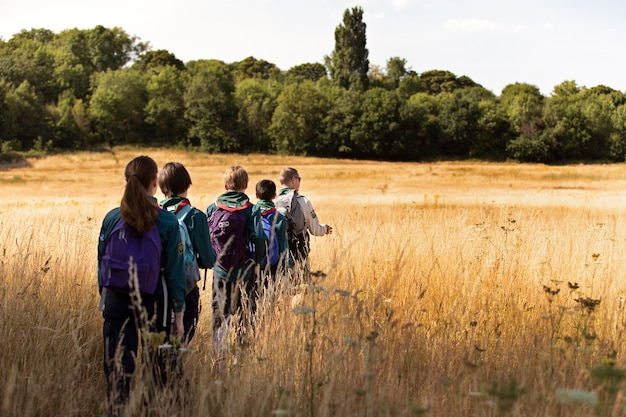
(123, 324)
(192, 313)
(299, 247)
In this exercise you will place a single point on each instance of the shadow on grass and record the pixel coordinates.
(12, 160)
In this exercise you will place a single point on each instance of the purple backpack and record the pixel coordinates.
(123, 246)
(229, 238)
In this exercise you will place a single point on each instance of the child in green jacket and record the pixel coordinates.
(174, 181)
(234, 223)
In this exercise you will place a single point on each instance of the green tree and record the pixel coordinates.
(438, 81)
(342, 116)
(117, 107)
(617, 140)
(578, 122)
(70, 121)
(26, 57)
(493, 131)
(297, 121)
(459, 117)
(158, 59)
(349, 63)
(419, 118)
(409, 85)
(377, 131)
(396, 71)
(210, 106)
(165, 109)
(256, 101)
(251, 67)
(112, 49)
(25, 120)
(309, 71)
(523, 105)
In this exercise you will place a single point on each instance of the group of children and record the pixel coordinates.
(247, 245)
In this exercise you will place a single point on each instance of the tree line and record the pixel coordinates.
(87, 89)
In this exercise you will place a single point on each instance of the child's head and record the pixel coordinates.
(290, 178)
(287, 174)
(136, 207)
(174, 180)
(265, 190)
(236, 178)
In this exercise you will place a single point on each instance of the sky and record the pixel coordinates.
(493, 42)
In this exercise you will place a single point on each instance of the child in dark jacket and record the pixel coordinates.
(174, 181)
(234, 222)
(128, 312)
(275, 228)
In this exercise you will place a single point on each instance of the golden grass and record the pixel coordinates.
(450, 289)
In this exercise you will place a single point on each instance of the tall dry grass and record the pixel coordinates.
(447, 289)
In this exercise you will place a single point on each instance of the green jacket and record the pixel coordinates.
(198, 227)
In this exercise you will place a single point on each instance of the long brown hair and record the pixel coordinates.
(137, 209)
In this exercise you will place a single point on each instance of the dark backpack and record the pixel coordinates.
(229, 238)
(192, 272)
(298, 241)
(123, 247)
(268, 220)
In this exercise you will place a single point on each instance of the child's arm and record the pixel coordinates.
(312, 222)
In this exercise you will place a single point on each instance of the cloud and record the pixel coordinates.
(400, 4)
(473, 25)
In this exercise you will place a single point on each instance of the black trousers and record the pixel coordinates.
(192, 313)
(123, 324)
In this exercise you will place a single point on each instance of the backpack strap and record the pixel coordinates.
(294, 201)
(183, 211)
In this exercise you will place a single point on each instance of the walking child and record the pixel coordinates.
(140, 277)
(234, 223)
(174, 182)
(275, 228)
(301, 218)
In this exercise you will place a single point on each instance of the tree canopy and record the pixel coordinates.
(80, 89)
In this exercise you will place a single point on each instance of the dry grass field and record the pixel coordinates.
(446, 289)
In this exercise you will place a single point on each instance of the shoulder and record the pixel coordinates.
(112, 215)
(109, 222)
(302, 199)
(166, 221)
(196, 212)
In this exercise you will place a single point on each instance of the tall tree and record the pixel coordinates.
(349, 64)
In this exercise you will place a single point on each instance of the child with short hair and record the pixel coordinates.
(174, 182)
(234, 222)
(301, 218)
(275, 228)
